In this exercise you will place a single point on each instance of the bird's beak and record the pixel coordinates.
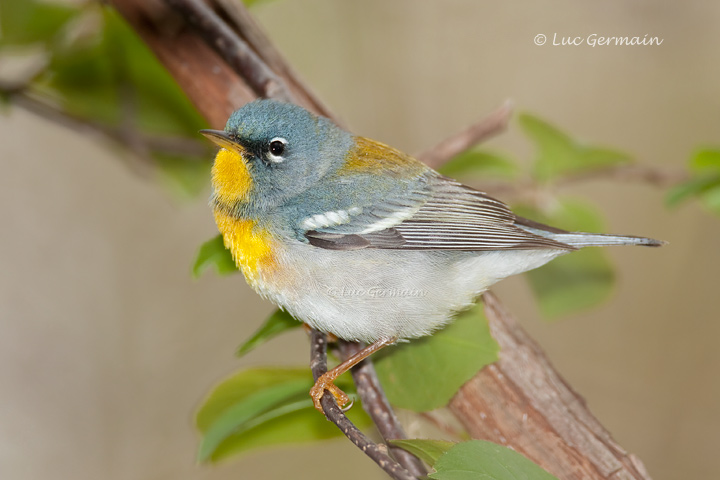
(222, 139)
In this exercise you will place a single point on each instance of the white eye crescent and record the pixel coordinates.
(276, 148)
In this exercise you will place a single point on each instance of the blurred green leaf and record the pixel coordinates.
(481, 459)
(705, 184)
(185, 175)
(426, 450)
(706, 160)
(257, 403)
(558, 154)
(234, 412)
(252, 3)
(113, 77)
(711, 199)
(214, 253)
(277, 323)
(161, 105)
(480, 164)
(693, 187)
(424, 374)
(576, 281)
(85, 77)
(24, 22)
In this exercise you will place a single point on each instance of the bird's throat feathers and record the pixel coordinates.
(231, 179)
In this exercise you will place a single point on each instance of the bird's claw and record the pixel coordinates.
(326, 383)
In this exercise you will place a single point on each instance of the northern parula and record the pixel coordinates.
(358, 239)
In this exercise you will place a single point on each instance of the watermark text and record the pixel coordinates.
(596, 40)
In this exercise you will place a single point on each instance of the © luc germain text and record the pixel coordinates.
(596, 40)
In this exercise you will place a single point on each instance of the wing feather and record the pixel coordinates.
(432, 212)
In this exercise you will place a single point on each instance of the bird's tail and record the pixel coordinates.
(579, 240)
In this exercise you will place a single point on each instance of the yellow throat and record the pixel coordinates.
(250, 245)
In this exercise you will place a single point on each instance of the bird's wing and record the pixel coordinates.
(438, 214)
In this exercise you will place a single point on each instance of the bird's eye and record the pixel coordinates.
(276, 149)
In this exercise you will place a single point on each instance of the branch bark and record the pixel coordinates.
(377, 406)
(521, 401)
(318, 365)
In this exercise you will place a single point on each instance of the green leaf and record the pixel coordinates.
(185, 175)
(214, 253)
(160, 104)
(558, 154)
(706, 160)
(705, 184)
(576, 281)
(711, 199)
(253, 3)
(111, 77)
(24, 22)
(86, 77)
(481, 459)
(694, 187)
(426, 450)
(480, 164)
(290, 419)
(573, 283)
(424, 374)
(234, 418)
(277, 323)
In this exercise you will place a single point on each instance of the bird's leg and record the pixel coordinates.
(325, 381)
(331, 338)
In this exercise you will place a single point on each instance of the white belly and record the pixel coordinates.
(370, 294)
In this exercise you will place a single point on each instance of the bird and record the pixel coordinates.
(357, 239)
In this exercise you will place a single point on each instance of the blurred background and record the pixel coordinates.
(107, 345)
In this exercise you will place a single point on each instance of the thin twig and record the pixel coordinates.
(318, 365)
(455, 144)
(628, 173)
(377, 406)
(161, 144)
(233, 49)
(537, 193)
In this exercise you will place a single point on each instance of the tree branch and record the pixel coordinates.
(489, 126)
(234, 51)
(318, 365)
(523, 402)
(377, 406)
(141, 145)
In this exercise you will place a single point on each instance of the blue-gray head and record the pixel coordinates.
(273, 151)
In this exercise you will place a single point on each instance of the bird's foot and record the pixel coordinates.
(325, 382)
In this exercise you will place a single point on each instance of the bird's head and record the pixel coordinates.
(273, 151)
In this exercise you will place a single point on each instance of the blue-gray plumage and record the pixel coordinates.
(358, 239)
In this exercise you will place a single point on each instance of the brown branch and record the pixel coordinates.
(489, 126)
(377, 406)
(248, 29)
(318, 365)
(523, 402)
(234, 51)
(141, 145)
(629, 173)
(535, 193)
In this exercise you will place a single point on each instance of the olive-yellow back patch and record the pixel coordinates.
(250, 246)
(371, 157)
(230, 177)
